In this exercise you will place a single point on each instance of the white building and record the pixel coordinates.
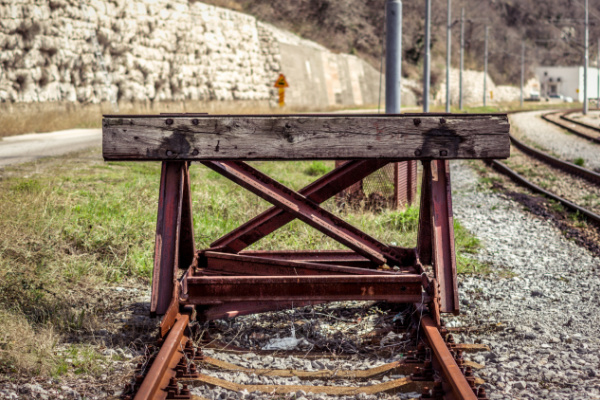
(567, 81)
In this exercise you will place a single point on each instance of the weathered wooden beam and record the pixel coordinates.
(305, 137)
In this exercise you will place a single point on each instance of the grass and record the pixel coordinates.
(71, 225)
(19, 118)
(504, 107)
(579, 161)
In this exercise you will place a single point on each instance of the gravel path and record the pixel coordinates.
(546, 344)
(566, 146)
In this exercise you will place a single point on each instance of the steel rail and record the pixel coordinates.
(566, 166)
(500, 167)
(574, 131)
(162, 369)
(583, 124)
(449, 368)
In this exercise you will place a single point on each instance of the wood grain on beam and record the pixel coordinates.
(287, 137)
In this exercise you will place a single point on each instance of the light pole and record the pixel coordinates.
(522, 70)
(448, 54)
(462, 58)
(393, 57)
(485, 67)
(427, 61)
(585, 61)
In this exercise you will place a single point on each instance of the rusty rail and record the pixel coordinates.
(163, 370)
(502, 168)
(566, 117)
(550, 117)
(566, 166)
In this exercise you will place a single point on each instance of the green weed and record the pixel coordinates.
(317, 168)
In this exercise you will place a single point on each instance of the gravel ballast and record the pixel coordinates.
(546, 343)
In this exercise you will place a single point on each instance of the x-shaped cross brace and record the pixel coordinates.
(230, 279)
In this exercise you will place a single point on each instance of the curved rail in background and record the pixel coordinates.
(566, 117)
(555, 118)
(566, 166)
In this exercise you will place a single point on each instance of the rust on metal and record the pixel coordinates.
(452, 373)
(444, 258)
(235, 309)
(250, 265)
(318, 191)
(166, 249)
(393, 386)
(163, 367)
(398, 367)
(302, 208)
(405, 288)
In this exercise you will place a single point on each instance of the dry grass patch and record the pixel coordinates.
(19, 118)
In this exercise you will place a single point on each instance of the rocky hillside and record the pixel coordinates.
(553, 30)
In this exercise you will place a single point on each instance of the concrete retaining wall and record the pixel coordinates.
(163, 50)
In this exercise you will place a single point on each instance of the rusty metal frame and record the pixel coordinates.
(226, 260)
(227, 280)
(435, 239)
(174, 245)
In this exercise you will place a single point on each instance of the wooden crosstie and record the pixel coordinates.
(228, 280)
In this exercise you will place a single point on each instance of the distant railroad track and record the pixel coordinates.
(593, 177)
(581, 129)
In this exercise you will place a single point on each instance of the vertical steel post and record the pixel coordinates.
(598, 67)
(448, 54)
(427, 61)
(462, 58)
(393, 56)
(485, 67)
(586, 59)
(393, 94)
(522, 70)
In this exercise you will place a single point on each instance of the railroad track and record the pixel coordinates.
(568, 167)
(564, 120)
(432, 365)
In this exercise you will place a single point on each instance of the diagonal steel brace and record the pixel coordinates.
(318, 191)
(304, 209)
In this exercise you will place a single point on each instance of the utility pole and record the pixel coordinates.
(598, 68)
(462, 58)
(485, 65)
(393, 56)
(522, 70)
(404, 172)
(585, 61)
(427, 61)
(448, 55)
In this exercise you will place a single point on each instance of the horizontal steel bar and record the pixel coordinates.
(403, 256)
(236, 309)
(213, 290)
(249, 265)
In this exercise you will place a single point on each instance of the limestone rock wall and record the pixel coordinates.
(163, 50)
